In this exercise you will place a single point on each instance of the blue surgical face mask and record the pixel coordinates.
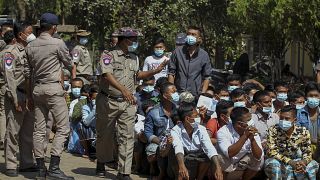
(197, 120)
(76, 92)
(148, 89)
(239, 104)
(282, 97)
(226, 98)
(231, 88)
(191, 40)
(133, 47)
(83, 40)
(300, 106)
(285, 125)
(312, 102)
(159, 52)
(267, 110)
(175, 97)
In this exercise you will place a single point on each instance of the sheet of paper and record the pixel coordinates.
(208, 103)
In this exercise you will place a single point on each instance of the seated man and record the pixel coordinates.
(263, 117)
(240, 98)
(76, 115)
(192, 146)
(289, 149)
(223, 111)
(159, 121)
(147, 92)
(76, 85)
(234, 81)
(240, 145)
(281, 89)
(221, 92)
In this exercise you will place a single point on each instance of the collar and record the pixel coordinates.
(163, 114)
(45, 34)
(20, 47)
(186, 52)
(260, 116)
(183, 130)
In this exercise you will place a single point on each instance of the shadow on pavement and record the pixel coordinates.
(85, 171)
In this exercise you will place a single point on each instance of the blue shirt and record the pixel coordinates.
(157, 122)
(89, 115)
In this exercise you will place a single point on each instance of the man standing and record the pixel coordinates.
(189, 66)
(116, 103)
(81, 58)
(19, 120)
(45, 58)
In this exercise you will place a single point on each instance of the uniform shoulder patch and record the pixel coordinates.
(107, 58)
(8, 60)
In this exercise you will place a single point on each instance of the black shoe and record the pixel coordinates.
(100, 170)
(42, 170)
(54, 172)
(123, 177)
(30, 169)
(11, 172)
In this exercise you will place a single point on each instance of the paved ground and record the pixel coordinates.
(79, 167)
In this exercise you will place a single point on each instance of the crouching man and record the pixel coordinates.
(240, 145)
(289, 149)
(193, 153)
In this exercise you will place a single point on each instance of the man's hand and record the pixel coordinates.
(202, 111)
(162, 66)
(128, 96)
(169, 140)
(300, 166)
(183, 172)
(218, 173)
(18, 107)
(250, 132)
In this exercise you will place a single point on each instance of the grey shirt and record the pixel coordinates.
(189, 71)
(264, 124)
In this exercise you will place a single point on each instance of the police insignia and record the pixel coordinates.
(106, 58)
(8, 59)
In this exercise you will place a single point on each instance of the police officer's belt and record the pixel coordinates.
(116, 98)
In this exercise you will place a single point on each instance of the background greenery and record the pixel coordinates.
(276, 23)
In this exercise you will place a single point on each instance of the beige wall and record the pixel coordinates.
(305, 64)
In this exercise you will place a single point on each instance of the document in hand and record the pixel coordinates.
(208, 103)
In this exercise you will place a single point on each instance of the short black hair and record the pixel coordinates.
(164, 87)
(195, 28)
(234, 77)
(85, 89)
(77, 79)
(293, 96)
(237, 93)
(185, 109)
(237, 113)
(93, 89)
(146, 104)
(222, 107)
(20, 27)
(257, 97)
(220, 87)
(8, 37)
(158, 40)
(161, 81)
(280, 84)
(45, 26)
(289, 108)
(250, 86)
(311, 86)
(151, 78)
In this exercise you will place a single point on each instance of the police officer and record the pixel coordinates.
(116, 103)
(19, 120)
(5, 27)
(81, 58)
(45, 58)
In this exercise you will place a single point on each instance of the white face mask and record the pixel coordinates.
(31, 38)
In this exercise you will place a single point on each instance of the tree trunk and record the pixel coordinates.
(21, 10)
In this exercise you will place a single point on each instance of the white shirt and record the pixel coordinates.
(153, 62)
(139, 126)
(227, 136)
(200, 141)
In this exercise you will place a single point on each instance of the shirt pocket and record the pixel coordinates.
(118, 69)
